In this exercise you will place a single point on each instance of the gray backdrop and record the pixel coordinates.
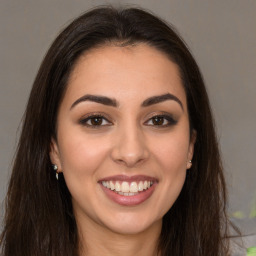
(222, 37)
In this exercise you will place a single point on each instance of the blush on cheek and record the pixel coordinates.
(175, 157)
(83, 156)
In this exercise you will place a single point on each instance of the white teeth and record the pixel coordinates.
(140, 187)
(133, 194)
(112, 185)
(145, 185)
(117, 186)
(126, 189)
(134, 187)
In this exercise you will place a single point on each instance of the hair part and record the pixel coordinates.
(39, 218)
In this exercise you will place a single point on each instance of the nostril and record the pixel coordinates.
(131, 159)
(130, 149)
(129, 162)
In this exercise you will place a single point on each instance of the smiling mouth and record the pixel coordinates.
(125, 188)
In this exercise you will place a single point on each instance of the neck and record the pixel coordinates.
(97, 240)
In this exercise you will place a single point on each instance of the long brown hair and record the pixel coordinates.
(39, 219)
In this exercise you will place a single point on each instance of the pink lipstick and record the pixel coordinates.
(128, 190)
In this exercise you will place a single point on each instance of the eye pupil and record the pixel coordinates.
(96, 121)
(158, 120)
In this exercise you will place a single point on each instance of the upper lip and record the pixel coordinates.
(128, 178)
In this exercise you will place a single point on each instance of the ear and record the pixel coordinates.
(191, 148)
(55, 155)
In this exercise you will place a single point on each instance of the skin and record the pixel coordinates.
(127, 143)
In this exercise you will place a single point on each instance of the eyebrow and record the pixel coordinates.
(113, 103)
(98, 99)
(157, 99)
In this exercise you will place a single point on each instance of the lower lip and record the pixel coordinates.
(129, 200)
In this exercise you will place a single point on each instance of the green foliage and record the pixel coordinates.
(253, 210)
(238, 215)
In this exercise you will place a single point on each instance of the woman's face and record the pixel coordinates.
(123, 140)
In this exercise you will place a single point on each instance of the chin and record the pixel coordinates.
(130, 224)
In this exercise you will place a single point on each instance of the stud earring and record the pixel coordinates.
(189, 164)
(55, 168)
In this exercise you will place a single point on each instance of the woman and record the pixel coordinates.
(118, 154)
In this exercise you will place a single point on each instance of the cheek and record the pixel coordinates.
(81, 156)
(81, 159)
(171, 157)
(172, 153)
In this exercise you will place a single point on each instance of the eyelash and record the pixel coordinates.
(85, 120)
(167, 119)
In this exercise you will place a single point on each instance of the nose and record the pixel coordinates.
(129, 147)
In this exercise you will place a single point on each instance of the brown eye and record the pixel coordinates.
(161, 121)
(95, 121)
(158, 120)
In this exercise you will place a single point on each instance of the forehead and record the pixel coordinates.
(137, 71)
